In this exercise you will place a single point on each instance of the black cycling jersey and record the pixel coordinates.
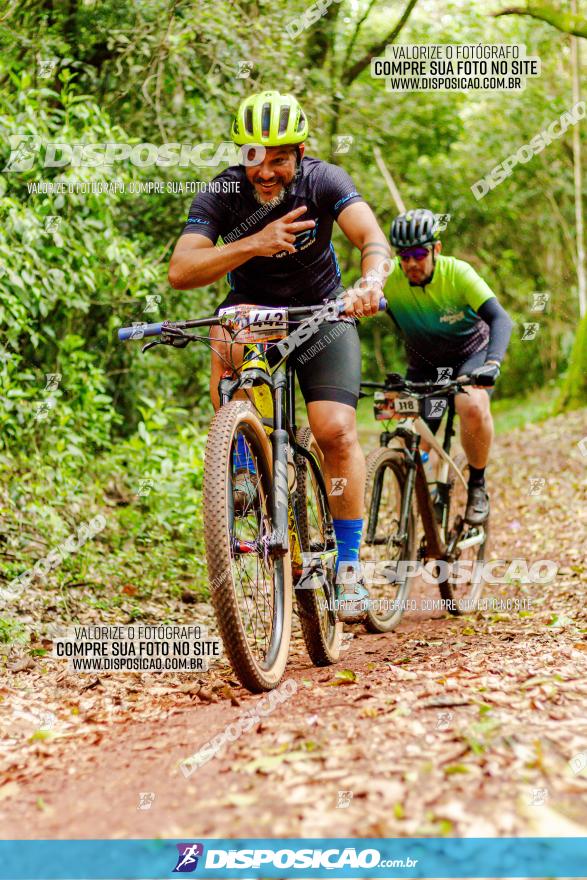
(304, 278)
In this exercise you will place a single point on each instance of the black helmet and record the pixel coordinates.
(413, 228)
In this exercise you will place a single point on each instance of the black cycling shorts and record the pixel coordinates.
(328, 364)
(431, 374)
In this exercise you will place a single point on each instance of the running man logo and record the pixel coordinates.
(53, 380)
(342, 143)
(138, 331)
(46, 68)
(344, 799)
(338, 484)
(146, 799)
(539, 301)
(244, 69)
(536, 485)
(44, 408)
(444, 720)
(152, 304)
(187, 860)
(23, 152)
(434, 407)
(444, 375)
(52, 221)
(530, 331)
(442, 221)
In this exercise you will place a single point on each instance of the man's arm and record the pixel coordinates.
(483, 301)
(196, 261)
(360, 226)
(500, 329)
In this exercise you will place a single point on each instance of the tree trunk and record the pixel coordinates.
(581, 281)
(574, 391)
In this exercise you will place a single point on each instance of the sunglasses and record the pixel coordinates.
(418, 253)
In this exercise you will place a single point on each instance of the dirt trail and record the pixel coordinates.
(447, 726)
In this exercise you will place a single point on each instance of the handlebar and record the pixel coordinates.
(398, 383)
(140, 331)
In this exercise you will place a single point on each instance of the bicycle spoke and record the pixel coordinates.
(253, 580)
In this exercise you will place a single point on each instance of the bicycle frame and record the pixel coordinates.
(416, 479)
(271, 388)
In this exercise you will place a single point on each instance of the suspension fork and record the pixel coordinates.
(412, 442)
(412, 447)
(449, 431)
(278, 541)
(227, 386)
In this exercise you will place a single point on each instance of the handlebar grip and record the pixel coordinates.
(139, 331)
(382, 305)
(483, 381)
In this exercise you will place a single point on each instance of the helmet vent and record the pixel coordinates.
(283, 119)
(301, 122)
(265, 119)
(249, 120)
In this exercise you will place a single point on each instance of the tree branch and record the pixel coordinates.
(353, 72)
(320, 38)
(562, 21)
(358, 27)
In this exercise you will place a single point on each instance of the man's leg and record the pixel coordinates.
(476, 438)
(328, 367)
(334, 425)
(223, 356)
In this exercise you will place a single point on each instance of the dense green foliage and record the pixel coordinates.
(83, 71)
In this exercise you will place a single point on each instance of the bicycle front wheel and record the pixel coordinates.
(315, 589)
(383, 548)
(251, 590)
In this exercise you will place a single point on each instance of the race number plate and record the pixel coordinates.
(390, 405)
(407, 406)
(254, 324)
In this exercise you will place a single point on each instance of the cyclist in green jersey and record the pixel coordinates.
(452, 325)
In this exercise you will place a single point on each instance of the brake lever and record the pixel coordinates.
(177, 341)
(149, 345)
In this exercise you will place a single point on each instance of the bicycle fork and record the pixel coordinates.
(279, 537)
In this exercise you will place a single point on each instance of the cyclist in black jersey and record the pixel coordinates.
(277, 250)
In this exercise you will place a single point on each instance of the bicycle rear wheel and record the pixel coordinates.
(383, 548)
(314, 591)
(462, 583)
(251, 591)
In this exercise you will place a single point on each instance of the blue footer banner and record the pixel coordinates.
(542, 857)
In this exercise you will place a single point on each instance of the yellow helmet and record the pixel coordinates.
(270, 119)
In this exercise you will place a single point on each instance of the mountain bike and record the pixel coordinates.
(276, 535)
(395, 471)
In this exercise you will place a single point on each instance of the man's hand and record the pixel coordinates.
(281, 234)
(362, 302)
(485, 376)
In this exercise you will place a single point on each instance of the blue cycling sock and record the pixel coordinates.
(241, 457)
(348, 539)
